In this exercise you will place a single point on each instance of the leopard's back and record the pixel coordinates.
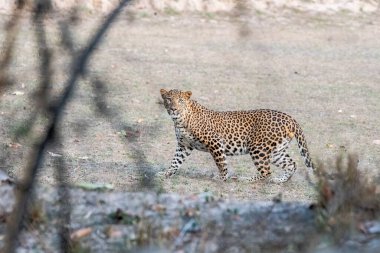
(242, 130)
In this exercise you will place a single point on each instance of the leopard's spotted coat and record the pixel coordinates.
(263, 134)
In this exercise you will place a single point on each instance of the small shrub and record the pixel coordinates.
(346, 198)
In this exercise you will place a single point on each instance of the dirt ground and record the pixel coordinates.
(324, 71)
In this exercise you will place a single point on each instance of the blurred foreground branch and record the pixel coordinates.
(12, 29)
(25, 186)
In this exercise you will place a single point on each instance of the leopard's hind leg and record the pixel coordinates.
(282, 160)
(261, 159)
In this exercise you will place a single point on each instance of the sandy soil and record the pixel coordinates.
(324, 71)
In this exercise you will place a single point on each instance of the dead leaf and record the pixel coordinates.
(159, 208)
(94, 186)
(191, 212)
(18, 93)
(327, 192)
(171, 232)
(54, 154)
(80, 233)
(113, 232)
(14, 145)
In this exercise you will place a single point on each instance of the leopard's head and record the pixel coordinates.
(176, 102)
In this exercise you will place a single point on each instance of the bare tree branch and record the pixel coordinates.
(36, 155)
(11, 35)
(147, 181)
(64, 200)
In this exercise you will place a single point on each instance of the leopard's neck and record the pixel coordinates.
(196, 107)
(199, 114)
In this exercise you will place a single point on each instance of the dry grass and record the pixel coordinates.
(131, 142)
(323, 75)
(214, 6)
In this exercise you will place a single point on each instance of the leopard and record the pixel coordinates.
(264, 134)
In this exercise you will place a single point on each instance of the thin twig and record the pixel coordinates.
(64, 200)
(46, 55)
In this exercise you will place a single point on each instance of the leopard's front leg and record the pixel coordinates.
(217, 151)
(180, 155)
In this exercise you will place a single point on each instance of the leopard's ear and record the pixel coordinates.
(163, 92)
(188, 94)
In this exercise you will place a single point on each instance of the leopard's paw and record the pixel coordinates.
(218, 177)
(278, 180)
(221, 178)
(170, 172)
(165, 174)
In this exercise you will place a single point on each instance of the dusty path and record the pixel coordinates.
(324, 72)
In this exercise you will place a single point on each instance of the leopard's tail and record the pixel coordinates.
(302, 145)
